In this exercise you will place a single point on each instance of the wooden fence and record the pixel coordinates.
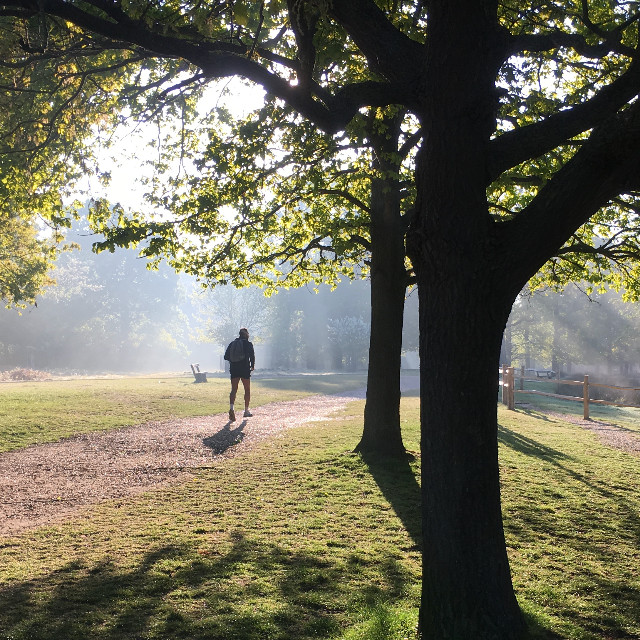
(510, 388)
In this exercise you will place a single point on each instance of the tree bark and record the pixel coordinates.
(381, 434)
(466, 291)
(466, 588)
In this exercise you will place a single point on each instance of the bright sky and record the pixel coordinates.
(131, 150)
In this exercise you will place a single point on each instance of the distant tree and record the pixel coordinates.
(562, 329)
(410, 330)
(25, 260)
(301, 333)
(226, 309)
(105, 312)
(349, 337)
(286, 332)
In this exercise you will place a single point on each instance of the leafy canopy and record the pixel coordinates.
(283, 195)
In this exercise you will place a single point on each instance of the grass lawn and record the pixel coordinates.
(301, 539)
(572, 521)
(627, 418)
(46, 411)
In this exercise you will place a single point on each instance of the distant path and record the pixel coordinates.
(46, 483)
(609, 434)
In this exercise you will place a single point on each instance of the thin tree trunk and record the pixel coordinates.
(381, 433)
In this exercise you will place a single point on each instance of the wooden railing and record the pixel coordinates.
(510, 388)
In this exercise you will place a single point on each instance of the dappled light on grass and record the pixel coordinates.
(245, 589)
(95, 467)
(301, 538)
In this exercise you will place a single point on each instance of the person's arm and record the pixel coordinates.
(252, 356)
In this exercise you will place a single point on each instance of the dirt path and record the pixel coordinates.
(43, 484)
(46, 483)
(610, 435)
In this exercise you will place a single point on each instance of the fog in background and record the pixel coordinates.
(573, 334)
(109, 314)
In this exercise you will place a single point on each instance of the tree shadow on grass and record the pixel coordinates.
(618, 600)
(528, 446)
(252, 591)
(560, 460)
(397, 481)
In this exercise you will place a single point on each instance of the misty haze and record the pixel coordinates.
(107, 313)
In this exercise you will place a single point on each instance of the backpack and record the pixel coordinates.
(236, 351)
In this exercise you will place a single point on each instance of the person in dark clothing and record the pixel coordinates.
(241, 370)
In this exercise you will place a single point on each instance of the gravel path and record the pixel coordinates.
(609, 434)
(45, 483)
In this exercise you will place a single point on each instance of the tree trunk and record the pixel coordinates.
(381, 434)
(466, 589)
(464, 306)
(466, 289)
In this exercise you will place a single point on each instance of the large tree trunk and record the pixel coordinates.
(464, 306)
(466, 292)
(381, 434)
(467, 590)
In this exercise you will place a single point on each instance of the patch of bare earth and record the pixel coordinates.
(43, 484)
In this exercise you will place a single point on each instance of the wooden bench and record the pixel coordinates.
(197, 374)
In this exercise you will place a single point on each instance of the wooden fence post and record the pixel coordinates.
(512, 389)
(585, 397)
(503, 374)
(522, 378)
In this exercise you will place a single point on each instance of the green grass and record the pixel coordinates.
(572, 521)
(300, 538)
(37, 412)
(626, 417)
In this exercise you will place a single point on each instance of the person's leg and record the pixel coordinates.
(246, 382)
(232, 398)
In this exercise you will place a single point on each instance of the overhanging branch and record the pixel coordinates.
(514, 147)
(224, 59)
(607, 165)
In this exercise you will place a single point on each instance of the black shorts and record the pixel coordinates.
(239, 370)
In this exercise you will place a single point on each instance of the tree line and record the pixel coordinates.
(571, 332)
(108, 312)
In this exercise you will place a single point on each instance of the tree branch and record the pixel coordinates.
(514, 147)
(607, 165)
(390, 52)
(538, 43)
(220, 59)
(345, 195)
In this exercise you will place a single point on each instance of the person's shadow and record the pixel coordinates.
(225, 438)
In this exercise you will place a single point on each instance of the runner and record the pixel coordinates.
(240, 368)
